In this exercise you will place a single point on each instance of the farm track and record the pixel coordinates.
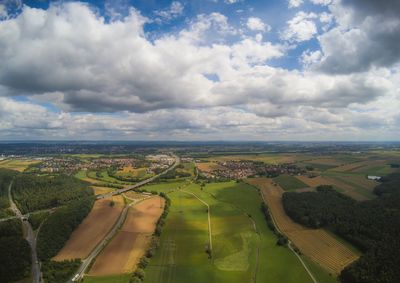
(316, 244)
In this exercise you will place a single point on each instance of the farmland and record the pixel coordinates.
(17, 164)
(89, 233)
(239, 254)
(288, 182)
(316, 244)
(123, 253)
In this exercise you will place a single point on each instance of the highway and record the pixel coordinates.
(86, 262)
(144, 182)
(30, 237)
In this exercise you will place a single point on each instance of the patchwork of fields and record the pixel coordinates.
(316, 244)
(122, 254)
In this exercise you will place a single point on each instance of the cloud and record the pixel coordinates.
(207, 80)
(232, 1)
(300, 28)
(3, 12)
(366, 36)
(321, 2)
(256, 24)
(173, 11)
(295, 3)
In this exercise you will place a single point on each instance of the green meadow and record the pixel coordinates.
(243, 248)
(289, 183)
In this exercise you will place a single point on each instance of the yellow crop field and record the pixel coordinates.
(316, 244)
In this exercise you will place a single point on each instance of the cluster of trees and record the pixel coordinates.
(6, 177)
(282, 240)
(15, 255)
(173, 174)
(58, 227)
(59, 271)
(139, 274)
(37, 219)
(372, 226)
(32, 192)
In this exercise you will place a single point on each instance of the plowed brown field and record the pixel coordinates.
(124, 251)
(316, 244)
(92, 229)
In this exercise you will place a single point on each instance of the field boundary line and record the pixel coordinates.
(289, 242)
(209, 216)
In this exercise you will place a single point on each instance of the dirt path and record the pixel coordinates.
(209, 216)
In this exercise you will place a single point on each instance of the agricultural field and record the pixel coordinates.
(101, 190)
(136, 173)
(82, 175)
(93, 229)
(122, 254)
(357, 187)
(239, 253)
(266, 158)
(317, 244)
(18, 164)
(289, 183)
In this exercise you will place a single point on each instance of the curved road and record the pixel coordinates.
(30, 237)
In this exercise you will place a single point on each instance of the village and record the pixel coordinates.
(243, 169)
(69, 165)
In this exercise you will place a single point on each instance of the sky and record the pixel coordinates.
(314, 70)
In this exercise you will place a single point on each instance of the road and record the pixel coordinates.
(27, 215)
(144, 182)
(30, 237)
(86, 262)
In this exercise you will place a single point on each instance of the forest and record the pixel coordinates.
(371, 226)
(5, 179)
(58, 227)
(32, 192)
(15, 255)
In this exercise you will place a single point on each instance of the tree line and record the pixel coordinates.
(139, 275)
(371, 226)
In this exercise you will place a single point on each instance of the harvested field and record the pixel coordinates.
(266, 158)
(102, 190)
(207, 166)
(359, 166)
(124, 251)
(347, 188)
(17, 164)
(326, 161)
(316, 244)
(134, 195)
(92, 230)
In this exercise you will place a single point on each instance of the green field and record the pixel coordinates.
(182, 255)
(123, 278)
(289, 183)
